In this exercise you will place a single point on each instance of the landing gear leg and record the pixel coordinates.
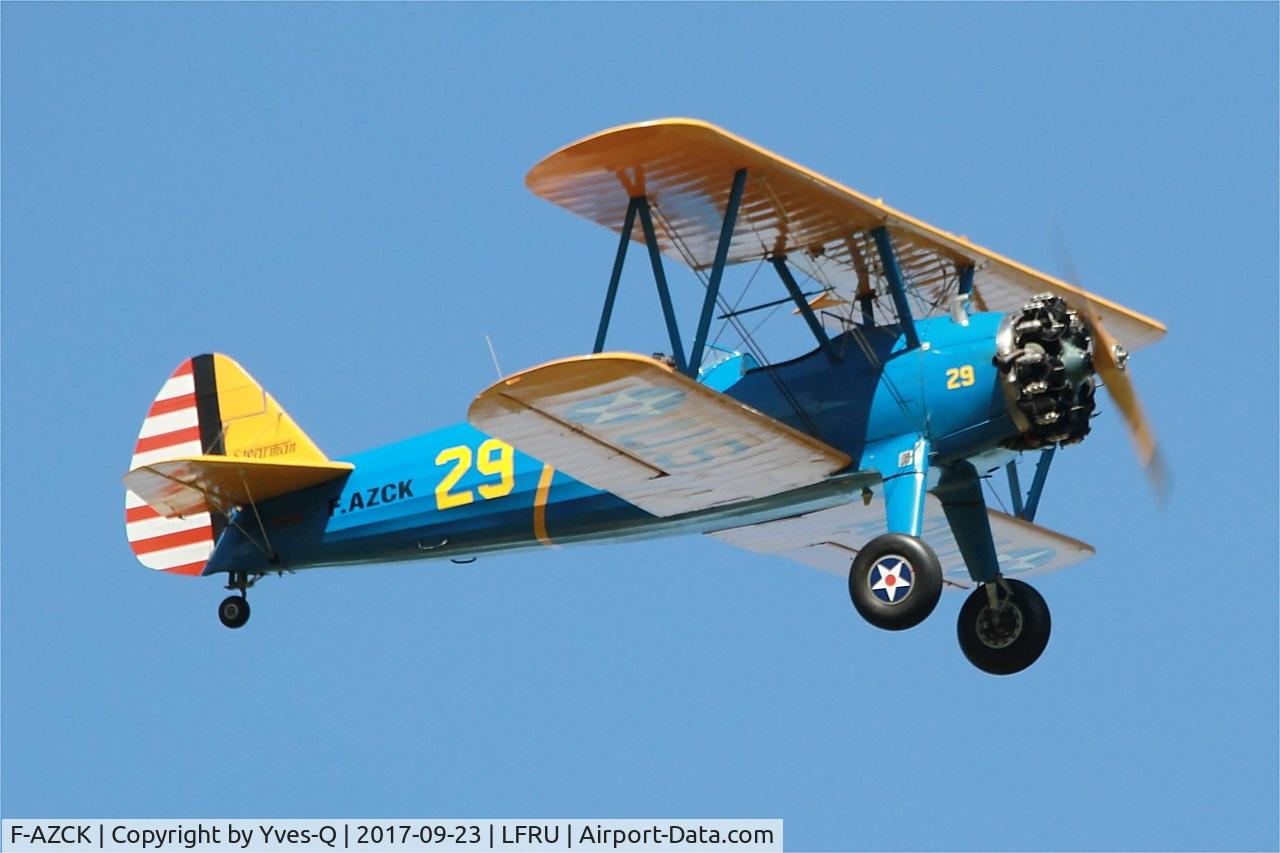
(1003, 626)
(234, 609)
(896, 580)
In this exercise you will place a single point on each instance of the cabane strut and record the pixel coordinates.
(639, 207)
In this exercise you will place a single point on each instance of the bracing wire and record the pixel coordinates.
(747, 340)
(724, 324)
(996, 495)
(767, 318)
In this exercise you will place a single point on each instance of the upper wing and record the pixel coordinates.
(635, 427)
(829, 540)
(192, 484)
(685, 168)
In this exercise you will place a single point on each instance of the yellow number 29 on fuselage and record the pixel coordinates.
(493, 458)
(960, 377)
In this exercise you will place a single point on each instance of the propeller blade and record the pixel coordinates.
(1108, 361)
(1061, 252)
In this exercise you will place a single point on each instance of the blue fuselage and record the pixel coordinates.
(440, 495)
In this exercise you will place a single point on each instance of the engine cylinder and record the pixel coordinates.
(1045, 358)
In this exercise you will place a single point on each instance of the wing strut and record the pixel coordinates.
(1037, 483)
(897, 286)
(820, 334)
(1026, 510)
(628, 224)
(1015, 487)
(660, 278)
(717, 270)
(640, 205)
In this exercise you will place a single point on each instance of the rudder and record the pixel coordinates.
(209, 406)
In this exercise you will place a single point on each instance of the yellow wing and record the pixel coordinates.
(685, 167)
(635, 427)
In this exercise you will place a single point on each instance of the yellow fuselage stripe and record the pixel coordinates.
(540, 505)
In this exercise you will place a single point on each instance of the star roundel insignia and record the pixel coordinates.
(625, 406)
(890, 579)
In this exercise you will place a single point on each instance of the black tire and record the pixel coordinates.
(1009, 640)
(234, 611)
(876, 581)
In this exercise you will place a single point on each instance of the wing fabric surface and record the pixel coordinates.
(830, 539)
(635, 427)
(685, 168)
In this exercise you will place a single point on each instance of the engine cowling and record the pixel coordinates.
(1044, 354)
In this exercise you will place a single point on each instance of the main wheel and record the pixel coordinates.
(234, 611)
(1006, 639)
(895, 582)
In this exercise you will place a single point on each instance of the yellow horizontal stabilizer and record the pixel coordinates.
(685, 168)
(190, 484)
(633, 426)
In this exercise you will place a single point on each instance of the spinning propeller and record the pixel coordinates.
(1110, 362)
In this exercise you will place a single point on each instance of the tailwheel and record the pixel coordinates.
(1003, 627)
(234, 611)
(895, 581)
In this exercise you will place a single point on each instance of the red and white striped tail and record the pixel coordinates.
(172, 428)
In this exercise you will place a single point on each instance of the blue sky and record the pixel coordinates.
(334, 196)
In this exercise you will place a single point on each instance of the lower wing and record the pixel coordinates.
(829, 540)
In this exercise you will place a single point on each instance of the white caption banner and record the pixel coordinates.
(244, 835)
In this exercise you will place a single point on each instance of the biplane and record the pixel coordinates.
(935, 364)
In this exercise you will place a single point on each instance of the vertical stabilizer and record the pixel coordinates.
(209, 406)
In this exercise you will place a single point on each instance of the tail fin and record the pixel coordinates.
(209, 407)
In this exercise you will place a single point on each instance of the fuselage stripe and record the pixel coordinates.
(540, 498)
